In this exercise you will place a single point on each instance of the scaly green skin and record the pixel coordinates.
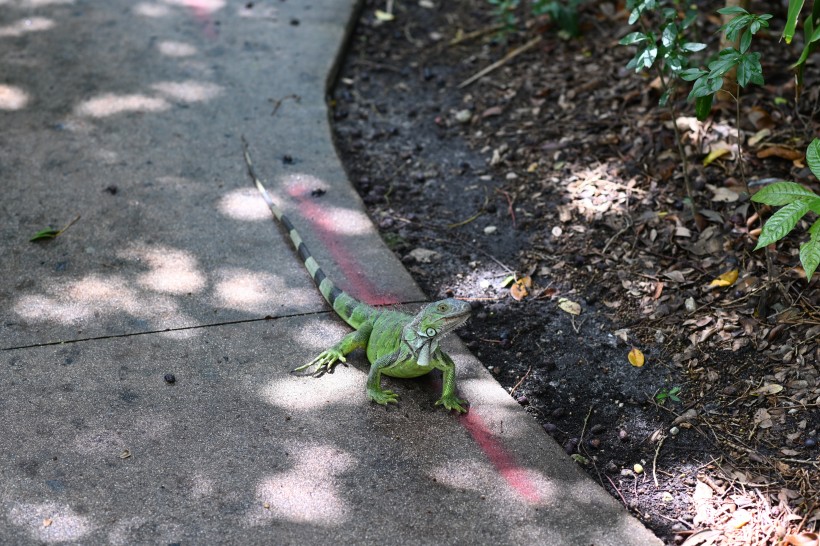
(396, 344)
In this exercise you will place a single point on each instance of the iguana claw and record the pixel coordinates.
(324, 363)
(452, 403)
(383, 397)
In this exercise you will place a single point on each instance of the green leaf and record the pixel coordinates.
(691, 47)
(706, 85)
(781, 223)
(691, 74)
(727, 60)
(703, 107)
(810, 251)
(669, 35)
(782, 193)
(731, 10)
(749, 70)
(813, 157)
(791, 19)
(746, 41)
(665, 97)
(45, 234)
(633, 38)
(807, 49)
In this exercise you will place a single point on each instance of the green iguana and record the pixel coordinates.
(397, 344)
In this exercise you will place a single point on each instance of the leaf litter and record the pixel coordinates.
(561, 136)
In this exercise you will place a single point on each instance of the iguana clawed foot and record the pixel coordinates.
(452, 403)
(324, 363)
(383, 397)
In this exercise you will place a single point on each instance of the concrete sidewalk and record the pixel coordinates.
(129, 115)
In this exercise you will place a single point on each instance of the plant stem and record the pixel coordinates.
(681, 150)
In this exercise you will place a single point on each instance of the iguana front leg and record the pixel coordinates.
(328, 359)
(448, 399)
(374, 380)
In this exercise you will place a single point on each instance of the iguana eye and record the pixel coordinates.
(430, 332)
(442, 307)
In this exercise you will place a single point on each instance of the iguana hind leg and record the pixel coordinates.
(328, 359)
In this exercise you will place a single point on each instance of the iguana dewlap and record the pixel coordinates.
(396, 344)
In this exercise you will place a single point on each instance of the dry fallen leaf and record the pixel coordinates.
(635, 357)
(720, 149)
(520, 289)
(726, 279)
(47, 522)
(771, 388)
(781, 152)
(384, 16)
(801, 539)
(569, 306)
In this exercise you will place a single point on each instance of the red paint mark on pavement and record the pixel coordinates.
(201, 11)
(503, 461)
(360, 286)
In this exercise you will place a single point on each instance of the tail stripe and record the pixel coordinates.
(329, 291)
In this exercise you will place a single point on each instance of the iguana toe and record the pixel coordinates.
(383, 397)
(452, 403)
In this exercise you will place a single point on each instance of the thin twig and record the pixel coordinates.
(507, 58)
(521, 380)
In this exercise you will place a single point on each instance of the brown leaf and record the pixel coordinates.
(781, 152)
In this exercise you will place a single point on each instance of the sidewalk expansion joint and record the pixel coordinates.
(195, 327)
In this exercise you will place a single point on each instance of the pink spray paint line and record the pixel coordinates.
(202, 14)
(515, 476)
(504, 463)
(360, 286)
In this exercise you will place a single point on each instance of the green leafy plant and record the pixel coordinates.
(671, 394)
(504, 12)
(811, 33)
(747, 63)
(796, 201)
(667, 50)
(564, 14)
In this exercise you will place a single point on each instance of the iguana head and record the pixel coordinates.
(432, 323)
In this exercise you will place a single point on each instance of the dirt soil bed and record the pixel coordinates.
(549, 194)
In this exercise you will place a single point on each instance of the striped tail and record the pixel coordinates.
(346, 306)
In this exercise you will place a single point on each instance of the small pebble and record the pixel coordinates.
(810, 442)
(595, 443)
(674, 431)
(523, 400)
(170, 378)
(550, 428)
(638, 468)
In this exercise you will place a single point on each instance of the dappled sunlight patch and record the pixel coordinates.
(169, 48)
(244, 204)
(50, 522)
(188, 91)
(24, 26)
(307, 493)
(596, 191)
(83, 299)
(37, 307)
(250, 291)
(12, 98)
(298, 393)
(152, 10)
(172, 271)
(199, 6)
(109, 104)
